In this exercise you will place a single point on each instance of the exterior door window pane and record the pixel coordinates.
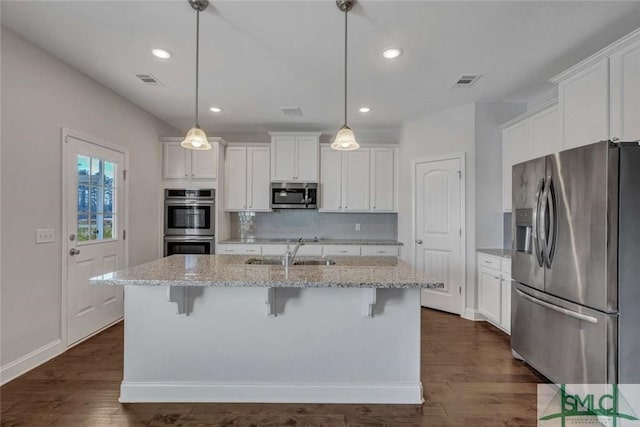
(96, 199)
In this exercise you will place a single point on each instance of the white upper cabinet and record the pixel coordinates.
(364, 180)
(184, 164)
(383, 182)
(584, 105)
(625, 93)
(235, 180)
(307, 158)
(546, 136)
(356, 180)
(294, 157)
(330, 180)
(258, 187)
(175, 161)
(516, 148)
(246, 184)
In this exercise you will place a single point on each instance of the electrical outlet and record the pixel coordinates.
(357, 227)
(45, 235)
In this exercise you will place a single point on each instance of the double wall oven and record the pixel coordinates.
(189, 221)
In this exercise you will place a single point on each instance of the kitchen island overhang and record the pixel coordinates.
(210, 328)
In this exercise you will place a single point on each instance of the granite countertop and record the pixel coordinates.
(231, 271)
(285, 240)
(504, 253)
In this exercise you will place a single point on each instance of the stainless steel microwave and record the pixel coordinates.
(290, 195)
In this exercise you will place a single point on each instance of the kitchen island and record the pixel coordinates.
(213, 328)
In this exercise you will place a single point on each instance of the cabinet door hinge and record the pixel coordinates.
(124, 234)
(459, 174)
(460, 232)
(460, 290)
(124, 174)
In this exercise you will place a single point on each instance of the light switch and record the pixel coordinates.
(45, 235)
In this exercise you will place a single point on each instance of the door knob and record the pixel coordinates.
(418, 241)
(74, 251)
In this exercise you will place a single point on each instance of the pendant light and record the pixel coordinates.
(345, 138)
(196, 139)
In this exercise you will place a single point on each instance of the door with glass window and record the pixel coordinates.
(94, 216)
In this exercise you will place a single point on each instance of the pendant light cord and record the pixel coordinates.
(197, 60)
(346, 13)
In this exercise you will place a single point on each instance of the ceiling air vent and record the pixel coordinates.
(148, 79)
(467, 80)
(292, 111)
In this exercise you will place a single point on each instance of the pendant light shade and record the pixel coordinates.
(196, 139)
(345, 138)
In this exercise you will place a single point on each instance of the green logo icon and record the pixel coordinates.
(604, 407)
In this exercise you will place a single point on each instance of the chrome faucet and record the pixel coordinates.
(290, 255)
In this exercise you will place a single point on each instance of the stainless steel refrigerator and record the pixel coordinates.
(576, 264)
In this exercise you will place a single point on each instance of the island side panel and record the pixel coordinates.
(318, 348)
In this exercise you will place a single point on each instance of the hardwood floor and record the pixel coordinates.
(468, 374)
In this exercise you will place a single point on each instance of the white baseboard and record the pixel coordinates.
(472, 314)
(137, 392)
(29, 361)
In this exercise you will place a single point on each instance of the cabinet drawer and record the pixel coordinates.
(279, 250)
(506, 266)
(368, 250)
(336, 250)
(239, 249)
(489, 261)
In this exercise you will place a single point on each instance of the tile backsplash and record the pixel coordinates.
(507, 231)
(310, 223)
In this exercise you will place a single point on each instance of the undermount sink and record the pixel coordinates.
(316, 262)
(274, 261)
(264, 261)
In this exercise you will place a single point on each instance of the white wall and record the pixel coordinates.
(488, 143)
(40, 95)
(473, 129)
(444, 132)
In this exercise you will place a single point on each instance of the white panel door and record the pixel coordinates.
(258, 193)
(307, 159)
(330, 180)
(625, 93)
(204, 163)
(356, 180)
(95, 213)
(438, 241)
(175, 161)
(235, 181)
(383, 179)
(283, 158)
(490, 294)
(584, 106)
(546, 132)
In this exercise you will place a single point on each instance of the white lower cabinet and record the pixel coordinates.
(380, 250)
(239, 249)
(341, 250)
(494, 290)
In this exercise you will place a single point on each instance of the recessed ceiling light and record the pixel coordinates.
(161, 53)
(364, 109)
(215, 109)
(391, 52)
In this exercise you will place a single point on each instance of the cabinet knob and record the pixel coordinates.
(418, 241)
(374, 207)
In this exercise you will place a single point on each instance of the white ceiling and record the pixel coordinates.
(259, 56)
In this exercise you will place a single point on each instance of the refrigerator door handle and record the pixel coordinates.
(542, 224)
(564, 311)
(553, 234)
(535, 229)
